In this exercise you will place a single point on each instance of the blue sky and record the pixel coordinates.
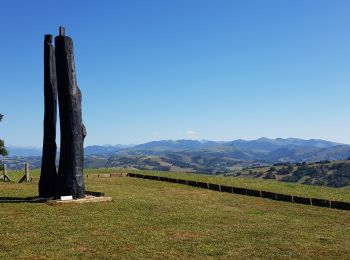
(152, 70)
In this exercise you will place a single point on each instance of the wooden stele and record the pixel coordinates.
(48, 176)
(70, 170)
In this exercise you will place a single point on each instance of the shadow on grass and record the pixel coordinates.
(22, 200)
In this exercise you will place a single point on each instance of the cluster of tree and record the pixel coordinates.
(323, 162)
(271, 173)
(335, 175)
(177, 162)
(3, 150)
(282, 164)
(341, 176)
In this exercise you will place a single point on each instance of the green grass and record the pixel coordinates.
(322, 192)
(150, 219)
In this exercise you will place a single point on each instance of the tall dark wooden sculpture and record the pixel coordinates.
(70, 171)
(48, 177)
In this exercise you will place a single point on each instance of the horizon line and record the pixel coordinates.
(185, 139)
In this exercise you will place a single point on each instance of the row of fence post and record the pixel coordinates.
(6, 178)
(250, 192)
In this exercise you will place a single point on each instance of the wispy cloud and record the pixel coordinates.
(190, 134)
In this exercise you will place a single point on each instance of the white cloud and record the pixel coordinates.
(190, 133)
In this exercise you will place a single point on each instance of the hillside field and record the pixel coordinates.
(150, 219)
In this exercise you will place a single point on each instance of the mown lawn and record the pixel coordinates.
(321, 192)
(150, 219)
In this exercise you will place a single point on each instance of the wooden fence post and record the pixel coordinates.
(4, 171)
(26, 171)
(4, 176)
(25, 177)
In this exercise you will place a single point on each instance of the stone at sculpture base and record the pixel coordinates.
(86, 199)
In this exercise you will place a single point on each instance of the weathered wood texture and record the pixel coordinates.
(26, 176)
(4, 176)
(48, 175)
(70, 171)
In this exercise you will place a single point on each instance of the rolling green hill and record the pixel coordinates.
(323, 173)
(236, 158)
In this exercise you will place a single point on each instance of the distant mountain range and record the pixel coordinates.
(23, 151)
(201, 156)
(93, 149)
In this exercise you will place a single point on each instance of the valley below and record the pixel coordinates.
(313, 162)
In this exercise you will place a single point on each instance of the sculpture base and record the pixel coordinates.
(90, 196)
(86, 199)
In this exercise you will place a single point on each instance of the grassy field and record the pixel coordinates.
(322, 192)
(150, 219)
(340, 194)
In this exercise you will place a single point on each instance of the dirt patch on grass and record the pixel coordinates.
(185, 235)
